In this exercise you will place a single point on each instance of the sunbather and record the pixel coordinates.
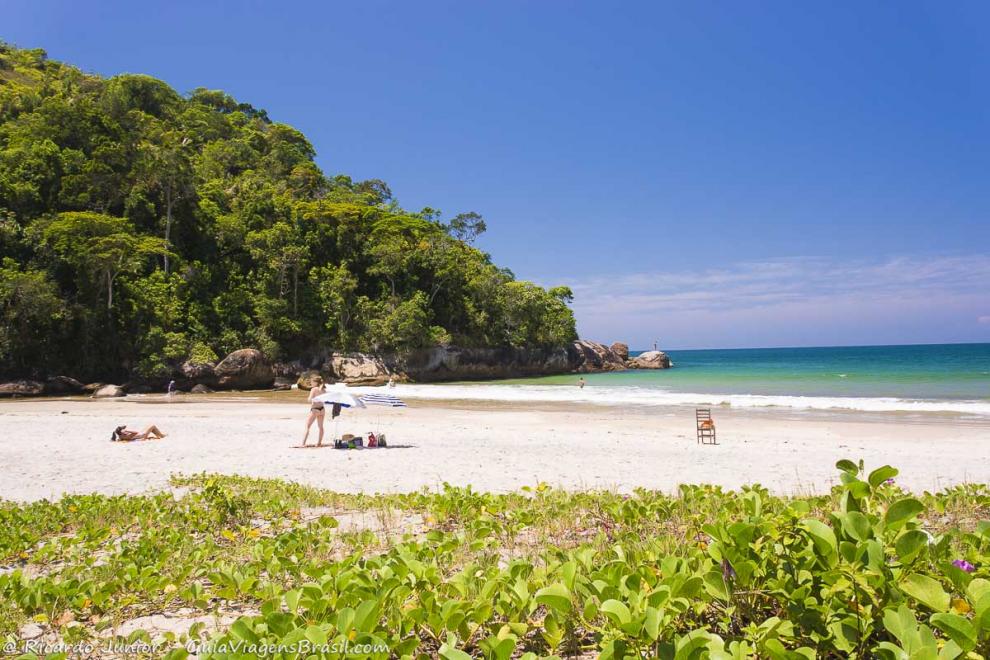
(124, 434)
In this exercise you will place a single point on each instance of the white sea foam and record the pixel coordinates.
(642, 396)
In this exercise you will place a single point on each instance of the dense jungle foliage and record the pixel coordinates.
(140, 227)
(869, 571)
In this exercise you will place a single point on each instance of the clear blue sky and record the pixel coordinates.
(715, 174)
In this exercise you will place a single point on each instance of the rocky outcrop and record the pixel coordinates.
(356, 369)
(63, 385)
(109, 392)
(621, 350)
(245, 369)
(198, 372)
(281, 384)
(200, 389)
(445, 363)
(21, 388)
(650, 360)
(587, 356)
(248, 369)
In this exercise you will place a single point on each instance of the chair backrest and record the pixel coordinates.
(703, 413)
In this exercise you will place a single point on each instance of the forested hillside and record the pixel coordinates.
(140, 227)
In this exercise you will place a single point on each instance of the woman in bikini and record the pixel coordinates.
(316, 410)
(124, 434)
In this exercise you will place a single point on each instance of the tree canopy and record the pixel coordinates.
(140, 227)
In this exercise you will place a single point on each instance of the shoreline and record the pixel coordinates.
(57, 446)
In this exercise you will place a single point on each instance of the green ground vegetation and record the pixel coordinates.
(869, 571)
(140, 227)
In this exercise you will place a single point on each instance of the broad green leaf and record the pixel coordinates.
(927, 591)
(881, 474)
(910, 543)
(822, 535)
(616, 611)
(855, 525)
(845, 465)
(958, 629)
(556, 597)
(901, 511)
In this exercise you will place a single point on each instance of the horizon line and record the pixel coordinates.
(754, 348)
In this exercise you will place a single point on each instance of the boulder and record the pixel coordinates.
(650, 360)
(198, 372)
(63, 385)
(22, 388)
(109, 391)
(621, 350)
(586, 356)
(357, 368)
(305, 380)
(281, 384)
(200, 389)
(91, 388)
(244, 369)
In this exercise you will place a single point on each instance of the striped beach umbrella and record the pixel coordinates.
(387, 400)
(383, 400)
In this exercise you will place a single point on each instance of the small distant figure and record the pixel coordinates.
(124, 434)
(391, 382)
(655, 346)
(171, 388)
(581, 382)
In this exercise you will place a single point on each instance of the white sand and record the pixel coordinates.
(48, 448)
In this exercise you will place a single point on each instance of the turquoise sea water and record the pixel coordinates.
(934, 371)
(924, 378)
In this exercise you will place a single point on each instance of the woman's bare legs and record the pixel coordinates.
(309, 422)
(319, 421)
(153, 431)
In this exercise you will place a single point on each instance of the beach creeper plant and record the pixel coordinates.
(246, 567)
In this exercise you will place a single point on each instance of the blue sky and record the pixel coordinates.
(716, 174)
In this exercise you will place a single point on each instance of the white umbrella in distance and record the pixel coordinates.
(341, 398)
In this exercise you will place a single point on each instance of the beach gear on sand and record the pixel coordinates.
(382, 399)
(339, 398)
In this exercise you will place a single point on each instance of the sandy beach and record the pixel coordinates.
(53, 447)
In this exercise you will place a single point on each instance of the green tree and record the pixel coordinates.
(100, 247)
(31, 315)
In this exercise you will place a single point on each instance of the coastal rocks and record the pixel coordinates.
(21, 388)
(587, 356)
(281, 384)
(650, 360)
(357, 368)
(305, 380)
(63, 385)
(244, 369)
(445, 363)
(198, 372)
(621, 350)
(109, 392)
(200, 389)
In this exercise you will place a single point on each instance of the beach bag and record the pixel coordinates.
(358, 441)
(381, 441)
(372, 440)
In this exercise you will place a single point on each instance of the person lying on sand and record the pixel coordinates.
(124, 434)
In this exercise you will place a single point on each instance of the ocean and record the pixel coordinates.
(952, 378)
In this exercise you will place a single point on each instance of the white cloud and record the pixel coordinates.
(799, 297)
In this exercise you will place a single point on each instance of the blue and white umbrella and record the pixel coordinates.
(383, 400)
(387, 400)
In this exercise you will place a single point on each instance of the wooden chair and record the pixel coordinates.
(706, 426)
